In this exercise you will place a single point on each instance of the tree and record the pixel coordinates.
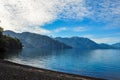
(1, 30)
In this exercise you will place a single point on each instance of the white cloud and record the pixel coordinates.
(107, 11)
(27, 15)
(109, 40)
(71, 29)
(59, 29)
(88, 36)
(20, 15)
(80, 29)
(73, 9)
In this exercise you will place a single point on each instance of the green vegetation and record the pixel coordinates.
(1, 30)
(8, 43)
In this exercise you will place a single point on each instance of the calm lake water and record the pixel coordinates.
(103, 63)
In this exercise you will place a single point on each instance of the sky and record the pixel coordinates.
(98, 20)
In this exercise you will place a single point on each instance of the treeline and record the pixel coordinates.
(8, 43)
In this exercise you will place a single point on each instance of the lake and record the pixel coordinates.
(101, 63)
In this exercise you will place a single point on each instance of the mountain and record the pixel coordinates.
(32, 40)
(106, 46)
(79, 42)
(83, 43)
(116, 45)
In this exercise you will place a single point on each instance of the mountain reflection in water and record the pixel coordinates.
(102, 63)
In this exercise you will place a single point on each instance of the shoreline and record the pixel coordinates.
(14, 71)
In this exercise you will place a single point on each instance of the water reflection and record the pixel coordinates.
(2, 55)
(96, 63)
(9, 54)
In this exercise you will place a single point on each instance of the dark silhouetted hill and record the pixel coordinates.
(8, 43)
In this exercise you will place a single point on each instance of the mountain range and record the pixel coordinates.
(32, 40)
(116, 45)
(83, 43)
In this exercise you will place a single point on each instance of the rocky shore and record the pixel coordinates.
(14, 71)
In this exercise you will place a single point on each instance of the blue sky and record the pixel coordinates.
(98, 20)
(97, 31)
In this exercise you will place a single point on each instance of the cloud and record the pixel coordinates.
(107, 11)
(104, 9)
(60, 29)
(31, 15)
(114, 24)
(71, 29)
(89, 36)
(20, 15)
(80, 29)
(73, 9)
(109, 40)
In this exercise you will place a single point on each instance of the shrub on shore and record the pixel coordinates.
(8, 43)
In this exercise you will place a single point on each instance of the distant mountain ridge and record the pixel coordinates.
(79, 42)
(32, 40)
(83, 43)
(106, 46)
(116, 45)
